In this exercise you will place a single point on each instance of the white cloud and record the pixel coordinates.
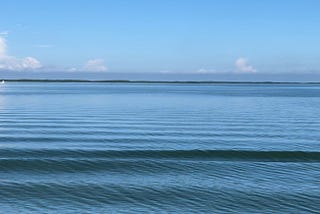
(30, 63)
(72, 69)
(202, 71)
(165, 71)
(243, 66)
(95, 65)
(4, 33)
(13, 63)
(206, 71)
(44, 46)
(3, 47)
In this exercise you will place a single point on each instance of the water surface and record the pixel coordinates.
(177, 148)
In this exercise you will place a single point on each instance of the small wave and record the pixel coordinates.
(211, 155)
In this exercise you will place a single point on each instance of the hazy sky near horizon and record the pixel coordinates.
(160, 36)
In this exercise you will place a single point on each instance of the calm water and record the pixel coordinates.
(176, 148)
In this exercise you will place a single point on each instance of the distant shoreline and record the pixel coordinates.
(154, 81)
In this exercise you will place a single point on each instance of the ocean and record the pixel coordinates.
(159, 148)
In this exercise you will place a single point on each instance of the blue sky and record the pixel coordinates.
(198, 37)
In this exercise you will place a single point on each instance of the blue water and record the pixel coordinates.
(162, 148)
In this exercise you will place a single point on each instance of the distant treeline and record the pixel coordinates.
(150, 81)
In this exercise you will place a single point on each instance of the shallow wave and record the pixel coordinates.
(46, 165)
(210, 155)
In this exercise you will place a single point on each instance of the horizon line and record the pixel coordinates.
(160, 81)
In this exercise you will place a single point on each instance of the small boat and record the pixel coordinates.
(2, 81)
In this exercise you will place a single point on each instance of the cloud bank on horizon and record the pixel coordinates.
(12, 63)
